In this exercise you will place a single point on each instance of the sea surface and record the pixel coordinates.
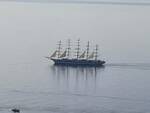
(30, 82)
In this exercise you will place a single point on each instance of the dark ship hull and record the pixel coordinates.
(85, 58)
(77, 62)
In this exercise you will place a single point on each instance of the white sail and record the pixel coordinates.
(91, 55)
(63, 55)
(54, 54)
(82, 55)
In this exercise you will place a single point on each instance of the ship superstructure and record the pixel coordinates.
(80, 58)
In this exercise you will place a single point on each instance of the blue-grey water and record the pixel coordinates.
(28, 81)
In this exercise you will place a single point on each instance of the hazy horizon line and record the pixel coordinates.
(85, 2)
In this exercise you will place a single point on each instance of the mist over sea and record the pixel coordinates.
(28, 81)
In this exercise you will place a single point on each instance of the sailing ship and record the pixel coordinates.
(84, 58)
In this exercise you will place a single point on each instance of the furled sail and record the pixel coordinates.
(63, 55)
(91, 55)
(82, 55)
(54, 54)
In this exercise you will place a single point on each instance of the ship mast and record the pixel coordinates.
(87, 50)
(78, 48)
(68, 49)
(96, 52)
(59, 48)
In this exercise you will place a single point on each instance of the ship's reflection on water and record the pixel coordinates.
(78, 79)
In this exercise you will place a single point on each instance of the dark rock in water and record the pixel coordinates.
(15, 110)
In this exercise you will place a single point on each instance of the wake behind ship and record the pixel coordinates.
(84, 58)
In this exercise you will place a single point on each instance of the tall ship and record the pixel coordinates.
(80, 58)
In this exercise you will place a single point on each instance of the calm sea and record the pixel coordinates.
(28, 81)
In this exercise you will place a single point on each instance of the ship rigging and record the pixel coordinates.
(85, 58)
